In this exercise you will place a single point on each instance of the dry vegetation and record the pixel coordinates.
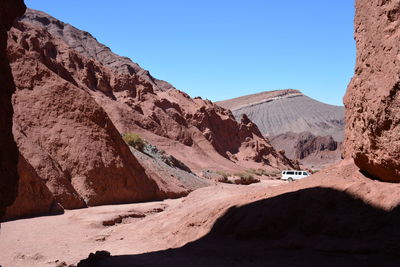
(134, 140)
(247, 177)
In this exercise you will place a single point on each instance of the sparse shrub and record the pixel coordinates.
(258, 172)
(135, 141)
(223, 174)
(225, 180)
(274, 173)
(245, 178)
(244, 175)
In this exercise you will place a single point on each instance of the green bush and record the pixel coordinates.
(135, 141)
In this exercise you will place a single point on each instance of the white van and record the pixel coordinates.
(292, 175)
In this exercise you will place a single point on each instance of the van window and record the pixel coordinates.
(290, 173)
(304, 173)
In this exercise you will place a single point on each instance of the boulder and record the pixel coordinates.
(372, 99)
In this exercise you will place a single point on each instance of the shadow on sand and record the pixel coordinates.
(310, 227)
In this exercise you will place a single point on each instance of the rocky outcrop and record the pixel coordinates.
(312, 151)
(71, 91)
(9, 10)
(373, 97)
(195, 131)
(66, 138)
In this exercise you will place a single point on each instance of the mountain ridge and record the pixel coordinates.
(289, 110)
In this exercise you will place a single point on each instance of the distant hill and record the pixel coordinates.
(291, 119)
(281, 111)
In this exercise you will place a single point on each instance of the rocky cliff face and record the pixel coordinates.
(9, 10)
(71, 91)
(312, 151)
(196, 131)
(72, 155)
(373, 97)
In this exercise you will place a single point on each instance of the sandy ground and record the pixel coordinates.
(119, 229)
(335, 217)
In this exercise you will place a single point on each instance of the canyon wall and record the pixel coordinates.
(9, 10)
(372, 100)
(195, 131)
(74, 101)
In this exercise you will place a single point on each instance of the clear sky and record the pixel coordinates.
(220, 49)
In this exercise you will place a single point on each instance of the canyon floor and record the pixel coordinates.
(337, 216)
(119, 229)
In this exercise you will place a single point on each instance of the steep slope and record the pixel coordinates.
(290, 119)
(71, 93)
(283, 111)
(373, 97)
(72, 156)
(197, 132)
(9, 10)
(313, 151)
(66, 136)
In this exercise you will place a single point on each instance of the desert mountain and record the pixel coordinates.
(282, 111)
(74, 101)
(290, 119)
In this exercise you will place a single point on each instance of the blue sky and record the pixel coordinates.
(219, 49)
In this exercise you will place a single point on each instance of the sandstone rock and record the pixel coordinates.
(73, 90)
(65, 136)
(9, 10)
(195, 131)
(373, 97)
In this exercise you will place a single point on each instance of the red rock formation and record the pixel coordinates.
(195, 131)
(73, 90)
(373, 97)
(66, 136)
(9, 10)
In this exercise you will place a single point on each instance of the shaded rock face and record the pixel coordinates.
(34, 197)
(372, 99)
(195, 131)
(9, 10)
(312, 151)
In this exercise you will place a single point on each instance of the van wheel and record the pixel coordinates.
(290, 179)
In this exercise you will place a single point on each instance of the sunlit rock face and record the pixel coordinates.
(372, 100)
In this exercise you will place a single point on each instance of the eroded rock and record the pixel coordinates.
(9, 10)
(373, 97)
